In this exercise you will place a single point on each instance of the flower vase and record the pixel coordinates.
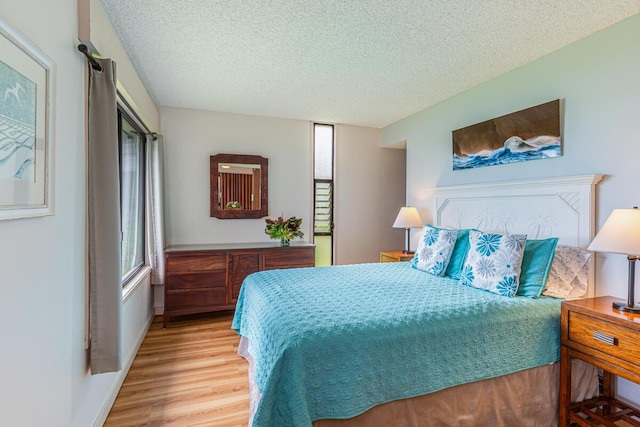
(284, 241)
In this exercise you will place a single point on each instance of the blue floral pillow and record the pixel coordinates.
(434, 250)
(493, 262)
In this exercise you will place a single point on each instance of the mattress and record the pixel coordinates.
(333, 342)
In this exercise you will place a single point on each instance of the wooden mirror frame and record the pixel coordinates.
(214, 162)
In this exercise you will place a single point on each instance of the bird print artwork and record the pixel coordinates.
(17, 125)
(15, 92)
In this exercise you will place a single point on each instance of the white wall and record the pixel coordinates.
(598, 79)
(191, 136)
(45, 378)
(369, 191)
(41, 260)
(369, 180)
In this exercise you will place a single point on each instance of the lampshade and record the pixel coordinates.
(408, 217)
(620, 233)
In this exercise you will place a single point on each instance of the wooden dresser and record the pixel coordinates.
(204, 278)
(593, 331)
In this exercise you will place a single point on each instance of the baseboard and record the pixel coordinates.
(158, 299)
(113, 393)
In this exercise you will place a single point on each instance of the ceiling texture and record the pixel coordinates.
(360, 62)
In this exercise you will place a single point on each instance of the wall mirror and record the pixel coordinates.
(238, 187)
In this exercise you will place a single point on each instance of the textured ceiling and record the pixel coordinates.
(362, 62)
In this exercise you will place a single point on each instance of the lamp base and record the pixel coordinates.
(622, 306)
(408, 248)
(404, 251)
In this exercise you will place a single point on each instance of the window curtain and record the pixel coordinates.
(155, 205)
(104, 228)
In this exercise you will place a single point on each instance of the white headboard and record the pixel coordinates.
(552, 207)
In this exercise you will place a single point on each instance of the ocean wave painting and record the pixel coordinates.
(530, 134)
(514, 150)
(17, 125)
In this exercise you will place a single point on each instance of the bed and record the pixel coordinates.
(388, 344)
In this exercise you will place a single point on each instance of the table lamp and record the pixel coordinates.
(620, 234)
(408, 218)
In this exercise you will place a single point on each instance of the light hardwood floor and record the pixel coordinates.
(186, 375)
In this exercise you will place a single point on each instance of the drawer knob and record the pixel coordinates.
(607, 339)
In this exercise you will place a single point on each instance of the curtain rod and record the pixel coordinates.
(85, 51)
(96, 66)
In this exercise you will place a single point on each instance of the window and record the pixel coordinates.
(323, 193)
(131, 145)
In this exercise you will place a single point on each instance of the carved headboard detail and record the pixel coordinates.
(561, 207)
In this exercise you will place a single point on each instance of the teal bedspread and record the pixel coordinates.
(332, 342)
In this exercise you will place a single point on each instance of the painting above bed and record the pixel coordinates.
(530, 134)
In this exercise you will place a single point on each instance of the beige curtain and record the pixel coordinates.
(104, 229)
(155, 205)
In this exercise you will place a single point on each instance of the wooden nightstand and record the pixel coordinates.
(609, 339)
(394, 256)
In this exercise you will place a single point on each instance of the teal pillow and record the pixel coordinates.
(458, 255)
(536, 265)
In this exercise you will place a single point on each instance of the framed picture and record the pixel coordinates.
(26, 145)
(530, 134)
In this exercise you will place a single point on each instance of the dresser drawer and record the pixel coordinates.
(611, 339)
(195, 280)
(289, 257)
(216, 261)
(387, 258)
(175, 300)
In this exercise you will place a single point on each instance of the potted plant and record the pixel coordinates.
(284, 229)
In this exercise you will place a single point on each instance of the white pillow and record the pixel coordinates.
(493, 262)
(434, 250)
(569, 273)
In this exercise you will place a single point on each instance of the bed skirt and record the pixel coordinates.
(525, 398)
